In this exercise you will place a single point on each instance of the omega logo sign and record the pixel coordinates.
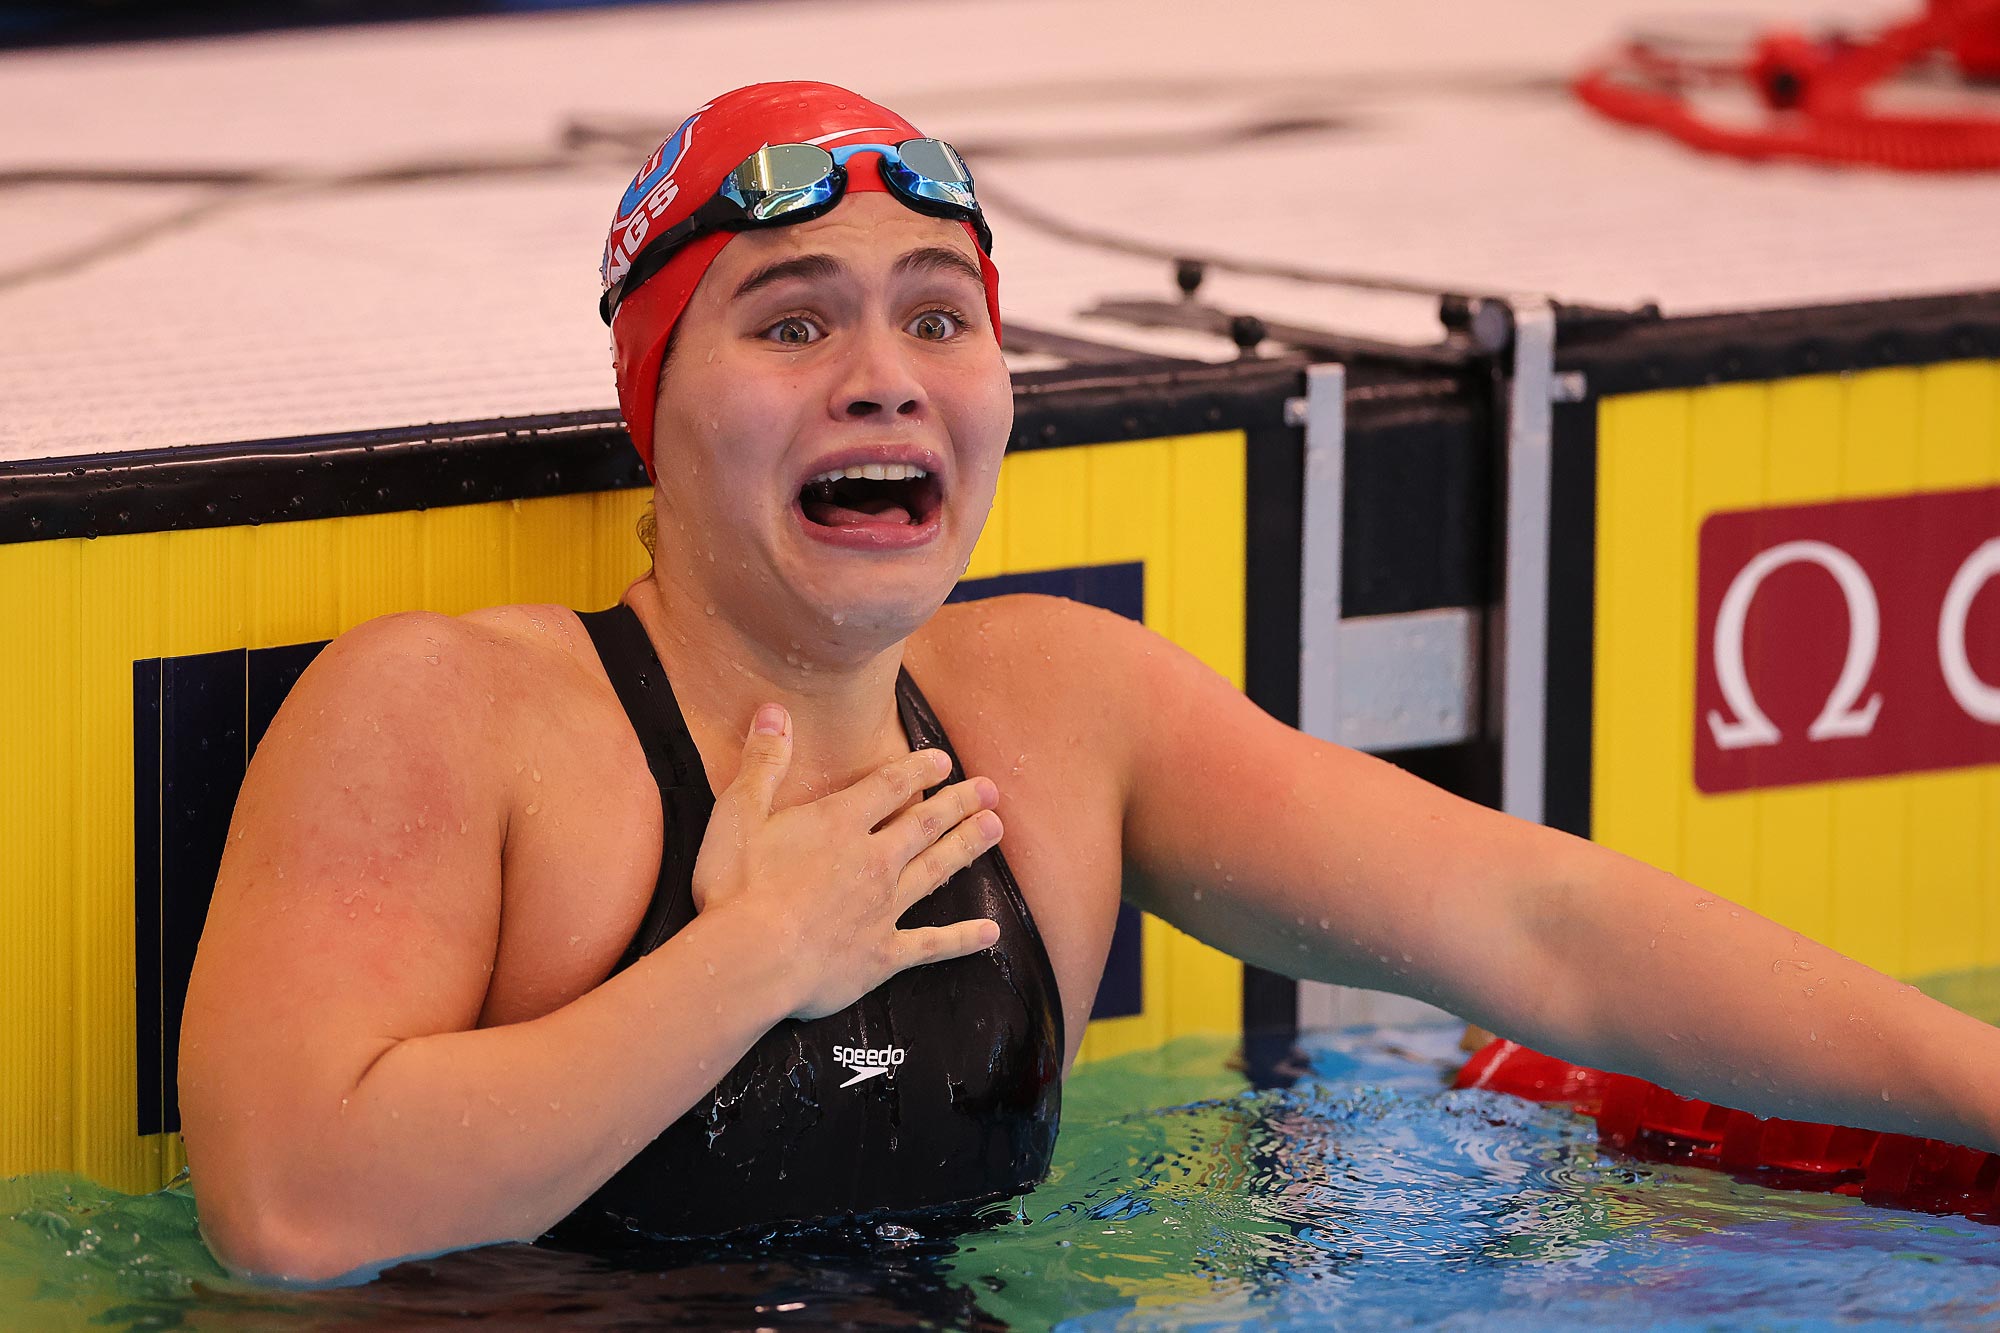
(1845, 640)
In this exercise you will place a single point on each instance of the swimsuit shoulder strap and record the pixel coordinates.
(641, 684)
(920, 724)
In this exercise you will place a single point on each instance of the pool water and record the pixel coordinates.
(1363, 1195)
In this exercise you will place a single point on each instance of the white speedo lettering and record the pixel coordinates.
(868, 1062)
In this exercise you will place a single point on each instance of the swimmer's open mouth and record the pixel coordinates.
(871, 493)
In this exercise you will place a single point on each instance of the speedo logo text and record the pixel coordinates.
(868, 1062)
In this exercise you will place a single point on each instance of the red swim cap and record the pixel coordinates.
(685, 172)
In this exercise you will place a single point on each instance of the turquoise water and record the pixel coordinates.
(1363, 1196)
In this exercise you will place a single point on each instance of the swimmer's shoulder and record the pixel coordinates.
(527, 649)
(1062, 643)
(1039, 661)
(457, 685)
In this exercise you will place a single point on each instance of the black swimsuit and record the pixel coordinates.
(940, 1086)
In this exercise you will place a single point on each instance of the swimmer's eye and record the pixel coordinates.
(794, 331)
(937, 325)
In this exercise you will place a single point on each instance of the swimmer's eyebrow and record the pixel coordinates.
(938, 259)
(819, 268)
(810, 268)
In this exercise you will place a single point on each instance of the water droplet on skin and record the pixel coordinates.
(461, 826)
(839, 617)
(533, 807)
(465, 1118)
(537, 774)
(701, 1064)
(709, 609)
(432, 660)
(711, 969)
(422, 822)
(555, 1106)
(1197, 895)
(1885, 1094)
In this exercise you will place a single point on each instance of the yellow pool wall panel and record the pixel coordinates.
(1901, 872)
(87, 609)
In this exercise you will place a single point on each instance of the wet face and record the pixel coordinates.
(830, 426)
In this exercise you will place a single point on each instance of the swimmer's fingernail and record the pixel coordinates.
(989, 934)
(984, 789)
(770, 721)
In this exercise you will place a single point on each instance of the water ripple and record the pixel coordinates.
(1366, 1195)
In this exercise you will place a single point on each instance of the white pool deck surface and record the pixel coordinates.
(142, 315)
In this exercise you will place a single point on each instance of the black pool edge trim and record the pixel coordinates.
(455, 463)
(1687, 351)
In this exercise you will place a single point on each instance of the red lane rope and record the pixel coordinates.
(1925, 1175)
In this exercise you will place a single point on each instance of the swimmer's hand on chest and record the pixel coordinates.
(827, 881)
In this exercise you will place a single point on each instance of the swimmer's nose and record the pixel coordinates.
(879, 382)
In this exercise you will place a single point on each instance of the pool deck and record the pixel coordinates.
(1432, 141)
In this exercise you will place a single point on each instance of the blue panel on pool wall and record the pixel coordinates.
(195, 722)
(1120, 588)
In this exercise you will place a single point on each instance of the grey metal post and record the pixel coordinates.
(1524, 649)
(1319, 556)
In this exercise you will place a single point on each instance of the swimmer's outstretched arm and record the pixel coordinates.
(338, 1108)
(1320, 862)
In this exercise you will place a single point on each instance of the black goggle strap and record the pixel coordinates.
(653, 256)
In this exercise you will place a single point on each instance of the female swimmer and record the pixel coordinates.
(633, 921)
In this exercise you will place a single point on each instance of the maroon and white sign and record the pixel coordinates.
(1848, 640)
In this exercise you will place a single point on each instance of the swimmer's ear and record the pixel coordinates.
(767, 753)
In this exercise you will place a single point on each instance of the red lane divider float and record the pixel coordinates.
(1925, 1175)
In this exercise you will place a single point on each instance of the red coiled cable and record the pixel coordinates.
(1814, 94)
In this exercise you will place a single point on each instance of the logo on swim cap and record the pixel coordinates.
(651, 193)
(869, 1061)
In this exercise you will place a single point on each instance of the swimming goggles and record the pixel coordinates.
(793, 182)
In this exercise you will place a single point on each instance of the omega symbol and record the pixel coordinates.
(1743, 724)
